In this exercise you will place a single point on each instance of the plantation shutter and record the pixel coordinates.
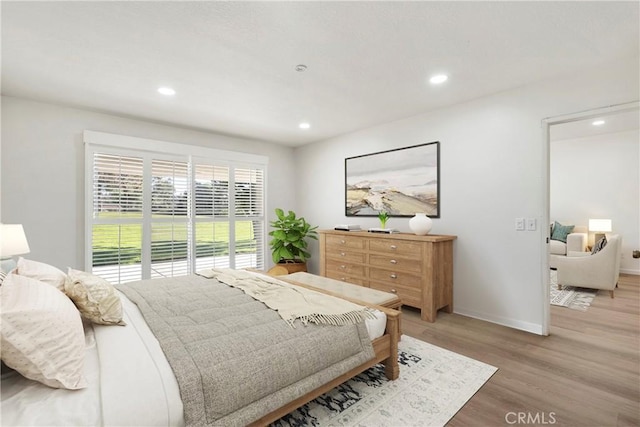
(170, 231)
(211, 216)
(153, 211)
(249, 215)
(117, 217)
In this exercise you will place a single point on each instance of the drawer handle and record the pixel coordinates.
(394, 247)
(393, 276)
(393, 261)
(344, 279)
(342, 242)
(342, 267)
(394, 291)
(342, 254)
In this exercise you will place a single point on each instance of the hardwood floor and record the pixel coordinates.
(586, 373)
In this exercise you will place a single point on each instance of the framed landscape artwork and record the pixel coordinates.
(400, 182)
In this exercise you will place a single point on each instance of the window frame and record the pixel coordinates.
(149, 150)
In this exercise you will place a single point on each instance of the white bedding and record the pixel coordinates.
(115, 355)
(153, 399)
(376, 327)
(26, 402)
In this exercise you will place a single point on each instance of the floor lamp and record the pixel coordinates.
(12, 242)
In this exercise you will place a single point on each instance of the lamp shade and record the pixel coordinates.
(12, 240)
(600, 225)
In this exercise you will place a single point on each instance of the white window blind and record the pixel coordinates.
(249, 212)
(170, 231)
(212, 216)
(117, 216)
(163, 214)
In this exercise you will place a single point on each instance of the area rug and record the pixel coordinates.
(434, 384)
(569, 296)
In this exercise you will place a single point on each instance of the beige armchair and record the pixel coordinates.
(597, 271)
(576, 245)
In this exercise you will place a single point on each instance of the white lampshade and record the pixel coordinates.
(12, 240)
(600, 225)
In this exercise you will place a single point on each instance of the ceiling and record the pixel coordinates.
(232, 64)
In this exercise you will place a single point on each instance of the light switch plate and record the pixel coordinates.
(531, 224)
(519, 224)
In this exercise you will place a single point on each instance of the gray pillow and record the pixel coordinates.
(560, 232)
(599, 245)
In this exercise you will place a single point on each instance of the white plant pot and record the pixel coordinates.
(420, 224)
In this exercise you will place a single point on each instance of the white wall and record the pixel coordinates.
(493, 169)
(43, 176)
(599, 177)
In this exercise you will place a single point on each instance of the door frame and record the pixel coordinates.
(546, 190)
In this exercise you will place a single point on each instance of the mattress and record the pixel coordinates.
(130, 382)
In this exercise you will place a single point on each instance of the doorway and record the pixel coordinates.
(577, 125)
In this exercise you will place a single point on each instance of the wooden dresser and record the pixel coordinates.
(419, 269)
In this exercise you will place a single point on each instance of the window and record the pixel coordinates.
(153, 212)
(248, 207)
(116, 226)
(169, 218)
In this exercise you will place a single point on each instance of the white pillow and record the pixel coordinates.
(96, 298)
(40, 271)
(42, 333)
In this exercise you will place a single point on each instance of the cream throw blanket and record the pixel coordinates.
(290, 301)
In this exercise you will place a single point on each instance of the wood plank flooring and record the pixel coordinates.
(586, 373)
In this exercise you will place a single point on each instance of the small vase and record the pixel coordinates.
(420, 224)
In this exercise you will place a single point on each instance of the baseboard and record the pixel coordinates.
(630, 271)
(511, 323)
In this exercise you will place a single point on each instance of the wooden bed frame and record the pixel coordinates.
(385, 349)
(386, 352)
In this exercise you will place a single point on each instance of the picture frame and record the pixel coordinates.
(401, 182)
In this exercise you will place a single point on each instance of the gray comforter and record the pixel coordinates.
(236, 360)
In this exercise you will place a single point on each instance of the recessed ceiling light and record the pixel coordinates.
(438, 78)
(304, 125)
(166, 91)
(598, 123)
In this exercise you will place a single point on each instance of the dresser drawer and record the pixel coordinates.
(346, 256)
(395, 263)
(407, 249)
(349, 242)
(396, 277)
(345, 268)
(332, 274)
(408, 296)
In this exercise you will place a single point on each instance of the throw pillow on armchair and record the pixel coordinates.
(560, 232)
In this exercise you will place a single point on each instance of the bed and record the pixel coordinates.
(130, 380)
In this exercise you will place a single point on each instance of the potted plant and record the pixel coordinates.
(383, 217)
(288, 244)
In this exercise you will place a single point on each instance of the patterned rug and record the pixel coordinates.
(569, 296)
(434, 384)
